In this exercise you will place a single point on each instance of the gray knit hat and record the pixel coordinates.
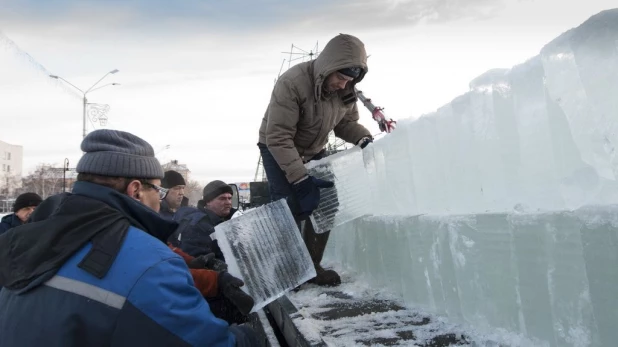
(214, 189)
(118, 154)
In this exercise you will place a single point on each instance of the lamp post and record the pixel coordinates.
(84, 93)
(64, 175)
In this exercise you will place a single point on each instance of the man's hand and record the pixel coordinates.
(209, 262)
(363, 142)
(307, 192)
(229, 286)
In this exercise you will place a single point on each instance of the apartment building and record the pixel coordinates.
(11, 162)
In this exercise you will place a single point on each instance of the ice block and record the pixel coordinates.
(264, 248)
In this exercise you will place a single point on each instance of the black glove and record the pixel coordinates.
(308, 194)
(209, 262)
(229, 286)
(364, 142)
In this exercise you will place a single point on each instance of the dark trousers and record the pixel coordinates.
(280, 188)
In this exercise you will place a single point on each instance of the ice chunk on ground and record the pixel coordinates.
(264, 248)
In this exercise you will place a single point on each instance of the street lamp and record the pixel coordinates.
(91, 89)
(64, 174)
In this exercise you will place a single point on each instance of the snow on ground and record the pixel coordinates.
(376, 317)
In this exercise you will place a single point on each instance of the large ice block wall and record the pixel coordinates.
(542, 135)
(501, 207)
(549, 276)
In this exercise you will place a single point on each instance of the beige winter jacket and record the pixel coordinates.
(300, 115)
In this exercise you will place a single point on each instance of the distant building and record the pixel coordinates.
(180, 168)
(11, 163)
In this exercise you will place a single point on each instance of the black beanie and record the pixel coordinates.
(353, 72)
(214, 189)
(26, 200)
(172, 179)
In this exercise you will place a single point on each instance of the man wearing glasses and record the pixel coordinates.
(92, 267)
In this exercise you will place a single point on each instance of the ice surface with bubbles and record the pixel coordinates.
(264, 248)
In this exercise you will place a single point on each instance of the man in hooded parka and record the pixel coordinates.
(310, 100)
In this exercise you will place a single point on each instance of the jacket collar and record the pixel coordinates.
(214, 218)
(12, 220)
(139, 215)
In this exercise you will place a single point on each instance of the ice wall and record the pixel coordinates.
(500, 208)
(540, 136)
(550, 276)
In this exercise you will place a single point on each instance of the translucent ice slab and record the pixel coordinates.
(542, 135)
(550, 276)
(264, 248)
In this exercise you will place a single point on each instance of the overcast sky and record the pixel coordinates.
(197, 75)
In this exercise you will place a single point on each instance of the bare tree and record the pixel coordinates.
(46, 180)
(10, 184)
(193, 191)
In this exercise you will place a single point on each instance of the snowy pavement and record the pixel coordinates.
(353, 314)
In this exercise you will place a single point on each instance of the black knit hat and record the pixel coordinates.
(353, 72)
(118, 154)
(214, 189)
(172, 179)
(26, 200)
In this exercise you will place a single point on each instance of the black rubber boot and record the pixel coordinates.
(316, 244)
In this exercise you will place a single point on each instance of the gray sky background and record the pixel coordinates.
(198, 75)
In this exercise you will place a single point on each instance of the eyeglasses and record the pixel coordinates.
(162, 191)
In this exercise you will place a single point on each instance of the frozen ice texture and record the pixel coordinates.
(264, 248)
(549, 276)
(542, 135)
(500, 209)
(346, 201)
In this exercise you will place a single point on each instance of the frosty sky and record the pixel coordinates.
(197, 75)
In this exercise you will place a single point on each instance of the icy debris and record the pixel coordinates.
(344, 319)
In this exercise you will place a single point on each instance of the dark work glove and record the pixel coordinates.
(364, 142)
(229, 286)
(209, 262)
(308, 194)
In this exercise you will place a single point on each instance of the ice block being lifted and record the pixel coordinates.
(264, 248)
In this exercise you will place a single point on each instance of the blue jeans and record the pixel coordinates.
(280, 188)
(278, 184)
